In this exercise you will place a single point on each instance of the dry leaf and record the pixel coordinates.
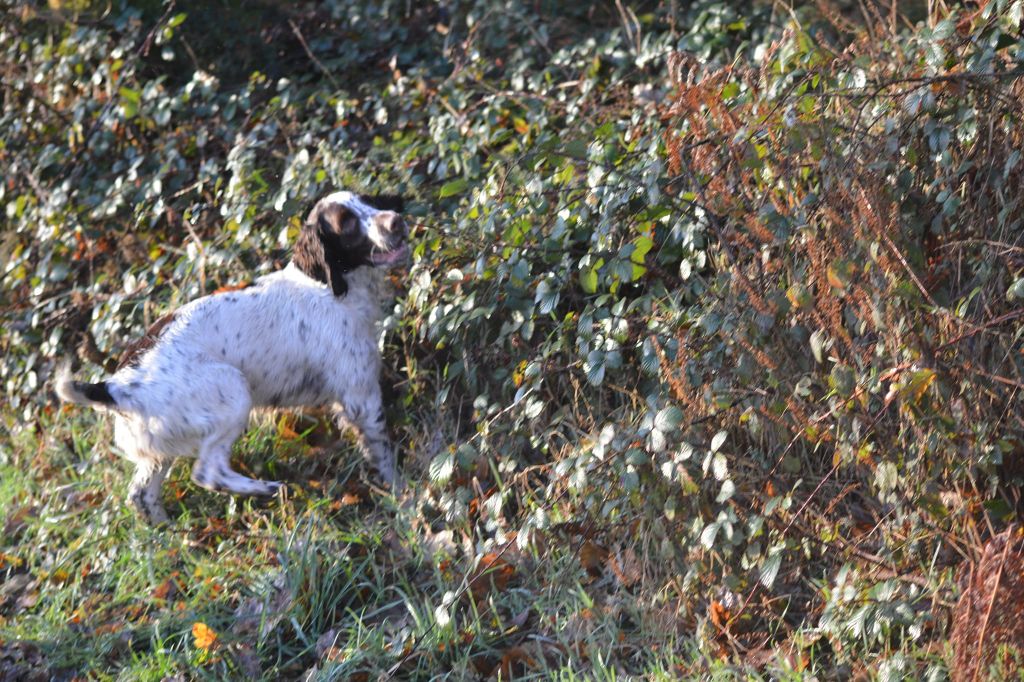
(247, 661)
(593, 557)
(492, 572)
(516, 656)
(204, 637)
(167, 589)
(719, 615)
(264, 612)
(326, 647)
(626, 567)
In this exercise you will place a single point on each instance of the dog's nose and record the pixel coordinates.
(392, 223)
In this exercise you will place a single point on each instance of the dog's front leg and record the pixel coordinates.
(144, 490)
(367, 420)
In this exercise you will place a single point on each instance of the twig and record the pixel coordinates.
(991, 603)
(1012, 315)
(312, 57)
(27, 92)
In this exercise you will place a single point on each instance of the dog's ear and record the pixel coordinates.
(315, 252)
(385, 202)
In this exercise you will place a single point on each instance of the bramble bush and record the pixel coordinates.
(714, 311)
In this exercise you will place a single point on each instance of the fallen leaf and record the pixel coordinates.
(492, 573)
(626, 567)
(326, 647)
(719, 615)
(592, 557)
(167, 589)
(264, 612)
(517, 657)
(247, 661)
(204, 637)
(285, 428)
(108, 628)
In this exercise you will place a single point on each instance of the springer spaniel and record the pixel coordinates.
(303, 336)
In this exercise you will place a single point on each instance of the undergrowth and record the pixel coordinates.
(708, 362)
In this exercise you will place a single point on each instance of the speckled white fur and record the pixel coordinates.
(286, 341)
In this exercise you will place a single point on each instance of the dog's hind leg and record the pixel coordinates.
(213, 471)
(144, 490)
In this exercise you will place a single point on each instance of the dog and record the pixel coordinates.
(305, 335)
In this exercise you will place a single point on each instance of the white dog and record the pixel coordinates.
(303, 336)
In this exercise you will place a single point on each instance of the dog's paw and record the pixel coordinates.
(154, 516)
(269, 488)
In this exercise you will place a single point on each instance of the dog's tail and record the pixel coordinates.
(83, 393)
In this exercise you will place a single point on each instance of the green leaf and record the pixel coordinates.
(130, 100)
(546, 297)
(707, 536)
(577, 149)
(588, 280)
(442, 467)
(668, 419)
(454, 187)
(727, 491)
(943, 29)
(641, 246)
(770, 569)
(818, 346)
(594, 366)
(720, 467)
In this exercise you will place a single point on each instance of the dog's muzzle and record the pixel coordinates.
(392, 233)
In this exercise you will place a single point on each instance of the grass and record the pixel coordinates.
(335, 577)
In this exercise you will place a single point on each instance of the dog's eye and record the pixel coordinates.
(337, 220)
(350, 225)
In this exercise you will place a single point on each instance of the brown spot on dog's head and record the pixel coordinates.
(345, 231)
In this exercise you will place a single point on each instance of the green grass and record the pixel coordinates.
(336, 578)
(335, 575)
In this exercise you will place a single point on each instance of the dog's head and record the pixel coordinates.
(345, 231)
